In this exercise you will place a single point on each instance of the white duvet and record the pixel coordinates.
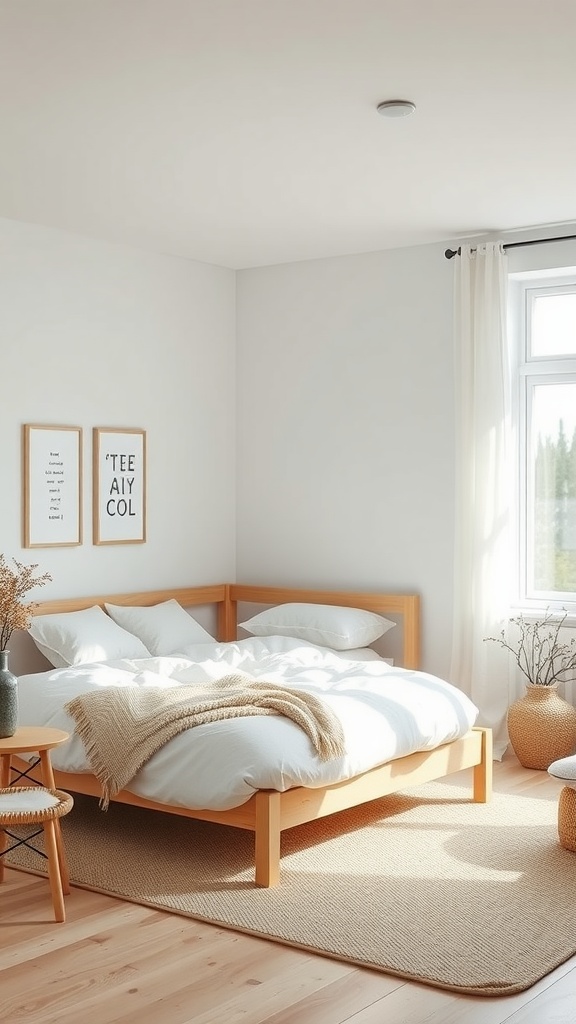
(386, 712)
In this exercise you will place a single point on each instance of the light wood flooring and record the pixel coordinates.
(118, 962)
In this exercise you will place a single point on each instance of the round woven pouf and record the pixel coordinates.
(567, 818)
(565, 769)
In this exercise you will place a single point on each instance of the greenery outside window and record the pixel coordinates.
(544, 332)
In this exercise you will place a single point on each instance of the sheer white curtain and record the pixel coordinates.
(482, 556)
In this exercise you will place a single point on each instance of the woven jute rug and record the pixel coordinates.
(479, 899)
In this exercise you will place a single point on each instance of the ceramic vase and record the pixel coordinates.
(8, 698)
(541, 727)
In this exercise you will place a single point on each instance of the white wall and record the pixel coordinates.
(343, 437)
(346, 424)
(346, 429)
(93, 334)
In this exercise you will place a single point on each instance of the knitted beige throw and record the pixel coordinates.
(123, 726)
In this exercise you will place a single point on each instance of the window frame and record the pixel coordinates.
(529, 371)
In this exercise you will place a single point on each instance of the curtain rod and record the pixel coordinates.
(450, 253)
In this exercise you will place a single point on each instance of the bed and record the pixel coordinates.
(268, 811)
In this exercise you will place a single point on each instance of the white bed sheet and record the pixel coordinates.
(386, 712)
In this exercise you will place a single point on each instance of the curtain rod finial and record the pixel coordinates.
(450, 253)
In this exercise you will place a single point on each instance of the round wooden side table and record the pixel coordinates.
(32, 739)
(29, 739)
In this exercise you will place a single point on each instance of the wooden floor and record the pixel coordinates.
(117, 962)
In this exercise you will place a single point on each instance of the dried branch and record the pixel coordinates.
(15, 613)
(539, 654)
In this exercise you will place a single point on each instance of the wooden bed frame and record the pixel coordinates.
(269, 812)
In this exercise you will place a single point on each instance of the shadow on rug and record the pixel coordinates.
(425, 885)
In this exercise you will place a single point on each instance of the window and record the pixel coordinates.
(545, 364)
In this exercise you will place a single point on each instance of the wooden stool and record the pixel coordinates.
(565, 769)
(36, 805)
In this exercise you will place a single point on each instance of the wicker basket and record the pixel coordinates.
(542, 727)
(567, 818)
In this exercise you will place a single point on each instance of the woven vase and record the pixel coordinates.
(541, 727)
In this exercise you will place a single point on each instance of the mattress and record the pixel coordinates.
(386, 712)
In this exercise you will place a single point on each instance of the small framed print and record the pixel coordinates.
(119, 499)
(52, 486)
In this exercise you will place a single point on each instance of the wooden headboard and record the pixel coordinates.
(227, 596)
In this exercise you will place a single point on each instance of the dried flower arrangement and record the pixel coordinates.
(539, 654)
(15, 613)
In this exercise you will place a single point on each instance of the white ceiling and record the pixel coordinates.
(245, 132)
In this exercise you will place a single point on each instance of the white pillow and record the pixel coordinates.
(74, 638)
(324, 624)
(165, 628)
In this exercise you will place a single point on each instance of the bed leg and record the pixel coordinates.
(267, 838)
(482, 782)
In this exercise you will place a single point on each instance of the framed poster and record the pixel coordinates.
(119, 485)
(52, 486)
